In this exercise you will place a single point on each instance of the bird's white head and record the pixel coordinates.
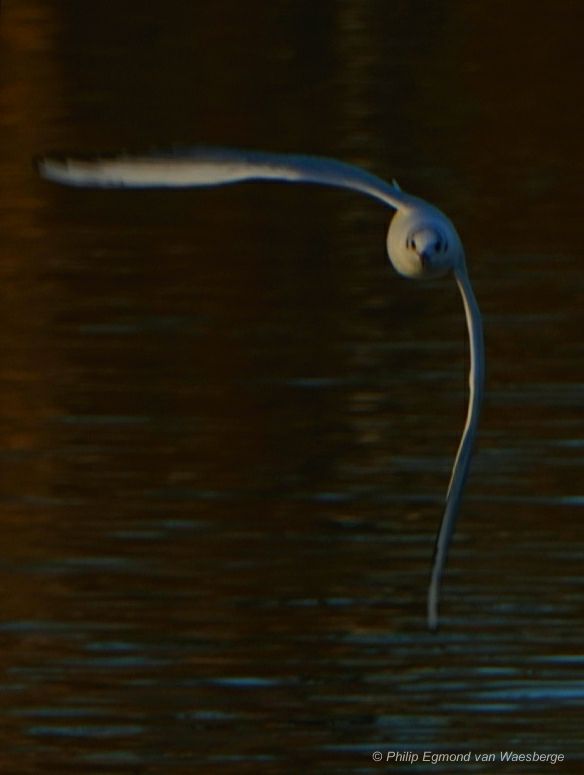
(422, 243)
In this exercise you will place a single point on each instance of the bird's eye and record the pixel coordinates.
(438, 246)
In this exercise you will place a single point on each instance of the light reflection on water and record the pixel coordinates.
(227, 428)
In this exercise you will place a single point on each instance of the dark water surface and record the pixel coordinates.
(227, 426)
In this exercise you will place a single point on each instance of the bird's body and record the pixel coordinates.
(421, 243)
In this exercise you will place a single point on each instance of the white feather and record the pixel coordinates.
(414, 218)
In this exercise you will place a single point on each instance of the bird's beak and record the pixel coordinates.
(424, 258)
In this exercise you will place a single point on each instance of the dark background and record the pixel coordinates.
(227, 426)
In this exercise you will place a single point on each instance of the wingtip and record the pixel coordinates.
(38, 164)
(48, 167)
(66, 170)
(433, 623)
(432, 606)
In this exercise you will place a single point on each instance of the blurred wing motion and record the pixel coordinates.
(463, 456)
(215, 167)
(218, 166)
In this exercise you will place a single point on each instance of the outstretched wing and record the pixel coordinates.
(463, 456)
(210, 166)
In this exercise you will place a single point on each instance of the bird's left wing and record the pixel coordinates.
(212, 166)
(461, 465)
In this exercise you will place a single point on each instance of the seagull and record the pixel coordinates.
(421, 243)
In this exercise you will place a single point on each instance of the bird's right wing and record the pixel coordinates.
(213, 166)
